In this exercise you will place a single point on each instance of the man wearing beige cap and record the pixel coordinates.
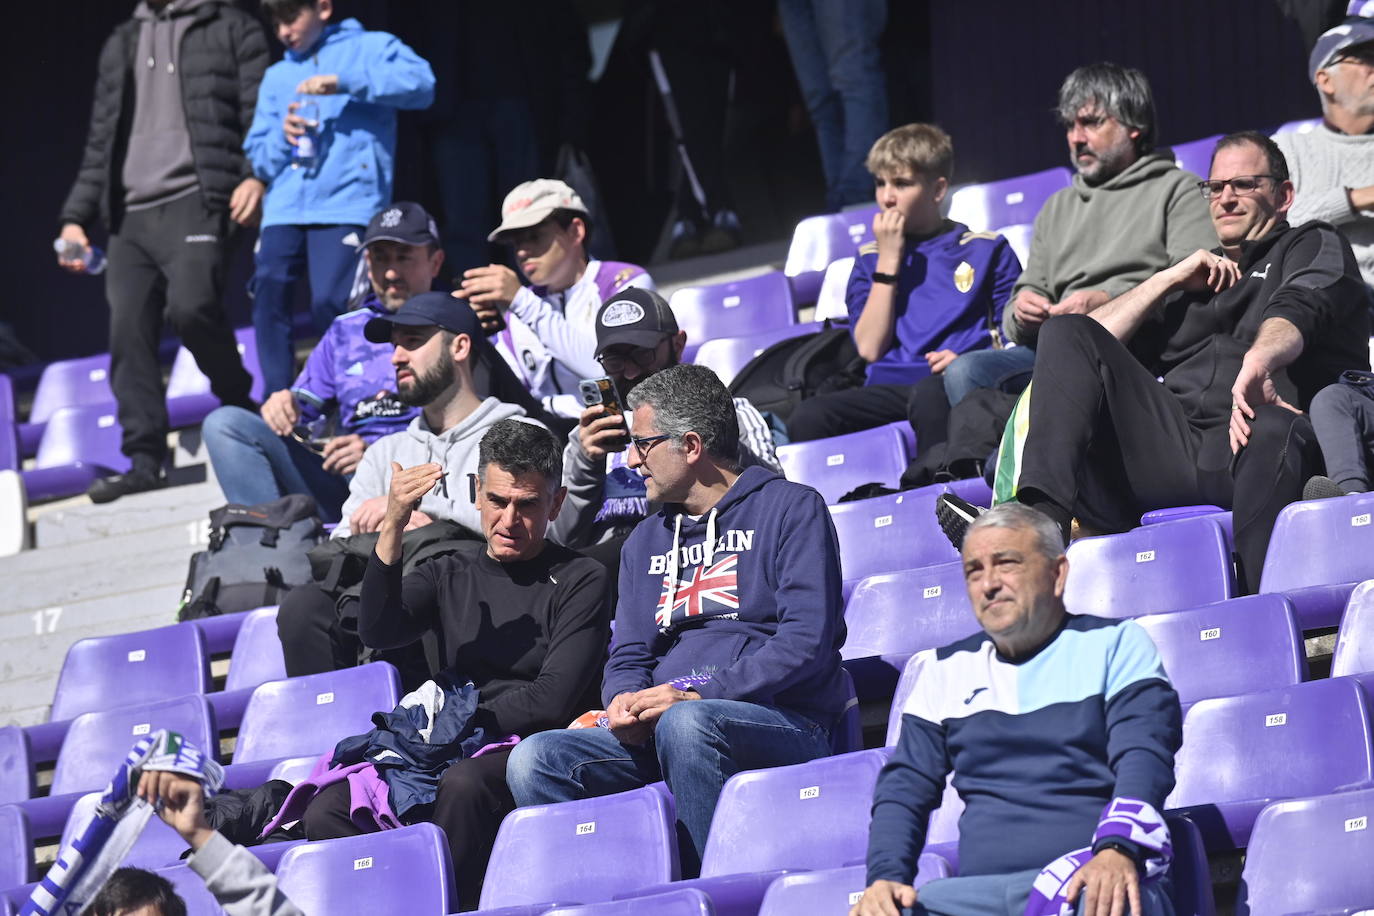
(547, 330)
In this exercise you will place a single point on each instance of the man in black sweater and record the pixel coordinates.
(524, 619)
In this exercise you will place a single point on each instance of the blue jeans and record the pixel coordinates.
(283, 253)
(1004, 370)
(255, 465)
(1006, 895)
(696, 747)
(834, 50)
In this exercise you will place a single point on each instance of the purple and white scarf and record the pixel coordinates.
(1124, 818)
(598, 718)
(98, 847)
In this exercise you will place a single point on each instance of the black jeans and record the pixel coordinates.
(1107, 442)
(168, 261)
(315, 638)
(472, 800)
(848, 411)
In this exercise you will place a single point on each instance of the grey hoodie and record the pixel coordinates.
(1116, 235)
(240, 883)
(158, 166)
(455, 449)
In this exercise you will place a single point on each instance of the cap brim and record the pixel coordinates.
(635, 337)
(382, 237)
(378, 330)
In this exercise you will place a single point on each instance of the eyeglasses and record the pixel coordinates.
(1243, 185)
(642, 357)
(305, 436)
(642, 444)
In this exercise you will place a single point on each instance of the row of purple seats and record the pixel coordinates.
(10, 456)
(1320, 550)
(984, 207)
(818, 241)
(838, 464)
(726, 356)
(748, 306)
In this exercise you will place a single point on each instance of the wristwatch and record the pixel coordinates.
(1118, 846)
(884, 278)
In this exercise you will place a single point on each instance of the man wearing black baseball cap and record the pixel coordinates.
(283, 448)
(1332, 165)
(637, 335)
(434, 340)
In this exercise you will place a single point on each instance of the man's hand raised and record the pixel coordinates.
(1202, 271)
(408, 487)
(1109, 882)
(180, 801)
(489, 290)
(600, 433)
(884, 898)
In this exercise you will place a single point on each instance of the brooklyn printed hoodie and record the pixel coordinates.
(747, 595)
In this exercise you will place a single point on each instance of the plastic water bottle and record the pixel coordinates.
(68, 250)
(304, 153)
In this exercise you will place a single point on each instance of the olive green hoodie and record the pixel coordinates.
(1114, 235)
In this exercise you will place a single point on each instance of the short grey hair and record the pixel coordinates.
(1048, 536)
(688, 398)
(519, 447)
(1122, 92)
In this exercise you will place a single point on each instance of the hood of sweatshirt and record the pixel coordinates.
(333, 33)
(1147, 167)
(465, 433)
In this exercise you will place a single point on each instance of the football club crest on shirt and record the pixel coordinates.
(706, 590)
(963, 277)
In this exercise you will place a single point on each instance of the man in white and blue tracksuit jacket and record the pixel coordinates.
(729, 598)
(1060, 730)
(316, 205)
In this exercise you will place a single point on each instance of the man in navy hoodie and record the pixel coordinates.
(727, 630)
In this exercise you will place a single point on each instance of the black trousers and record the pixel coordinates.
(472, 800)
(315, 639)
(1107, 442)
(848, 411)
(168, 262)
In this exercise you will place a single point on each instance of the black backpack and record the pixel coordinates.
(792, 370)
(256, 554)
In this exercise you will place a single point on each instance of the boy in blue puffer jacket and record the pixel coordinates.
(327, 171)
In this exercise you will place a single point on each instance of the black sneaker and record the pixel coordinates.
(108, 489)
(1320, 487)
(955, 515)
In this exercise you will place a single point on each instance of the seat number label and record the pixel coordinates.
(1277, 718)
(143, 728)
(1360, 521)
(855, 897)
(882, 521)
(730, 301)
(360, 864)
(1210, 633)
(138, 655)
(834, 460)
(810, 792)
(323, 698)
(584, 829)
(1357, 823)
(1145, 556)
(931, 591)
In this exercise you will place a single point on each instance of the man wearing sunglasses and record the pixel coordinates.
(1242, 337)
(637, 336)
(1332, 165)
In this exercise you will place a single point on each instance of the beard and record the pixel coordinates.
(623, 385)
(425, 388)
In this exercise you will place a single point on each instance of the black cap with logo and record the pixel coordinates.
(634, 316)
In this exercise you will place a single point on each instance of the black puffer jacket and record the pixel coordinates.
(222, 58)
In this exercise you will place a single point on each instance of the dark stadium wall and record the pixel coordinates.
(1215, 65)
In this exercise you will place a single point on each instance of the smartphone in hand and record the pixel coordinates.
(602, 391)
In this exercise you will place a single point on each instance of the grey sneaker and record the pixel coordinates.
(955, 515)
(1320, 487)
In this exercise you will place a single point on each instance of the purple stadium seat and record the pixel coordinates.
(1319, 551)
(833, 890)
(819, 240)
(16, 765)
(79, 445)
(1019, 236)
(1232, 647)
(129, 669)
(308, 715)
(892, 616)
(256, 659)
(221, 630)
(728, 355)
(684, 901)
(371, 873)
(1150, 569)
(1002, 203)
(838, 464)
(190, 887)
(97, 742)
(1176, 513)
(67, 383)
(1241, 753)
(849, 733)
(767, 822)
(1355, 641)
(1196, 155)
(16, 846)
(730, 309)
(899, 531)
(189, 398)
(1310, 855)
(830, 302)
(591, 840)
(10, 456)
(1305, 126)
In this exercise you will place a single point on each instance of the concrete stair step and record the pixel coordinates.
(79, 520)
(28, 591)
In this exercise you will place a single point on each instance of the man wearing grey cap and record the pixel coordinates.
(637, 335)
(546, 330)
(1332, 166)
